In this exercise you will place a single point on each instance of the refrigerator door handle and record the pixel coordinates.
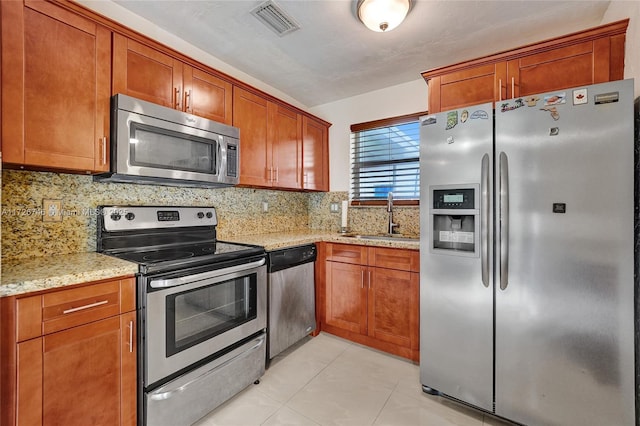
(484, 219)
(504, 220)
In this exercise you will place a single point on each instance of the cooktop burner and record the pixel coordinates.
(166, 238)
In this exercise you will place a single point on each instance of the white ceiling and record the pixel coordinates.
(334, 56)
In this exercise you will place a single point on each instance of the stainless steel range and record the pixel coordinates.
(202, 308)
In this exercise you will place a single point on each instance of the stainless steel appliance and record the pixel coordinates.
(292, 301)
(158, 145)
(202, 308)
(527, 256)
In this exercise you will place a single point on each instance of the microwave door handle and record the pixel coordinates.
(221, 159)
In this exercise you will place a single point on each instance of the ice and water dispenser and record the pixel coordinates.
(455, 217)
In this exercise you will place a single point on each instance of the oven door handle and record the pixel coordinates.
(160, 396)
(173, 282)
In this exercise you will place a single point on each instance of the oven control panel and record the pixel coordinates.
(124, 218)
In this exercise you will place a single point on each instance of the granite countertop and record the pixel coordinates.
(290, 239)
(22, 276)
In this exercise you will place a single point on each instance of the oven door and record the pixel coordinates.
(191, 318)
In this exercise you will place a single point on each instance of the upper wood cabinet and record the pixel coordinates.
(587, 57)
(270, 141)
(55, 88)
(151, 75)
(315, 155)
(279, 147)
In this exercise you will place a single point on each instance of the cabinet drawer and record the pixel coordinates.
(59, 310)
(347, 253)
(390, 258)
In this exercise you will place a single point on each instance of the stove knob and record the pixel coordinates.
(130, 216)
(209, 215)
(115, 217)
(200, 215)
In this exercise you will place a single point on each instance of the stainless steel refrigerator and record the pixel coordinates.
(527, 256)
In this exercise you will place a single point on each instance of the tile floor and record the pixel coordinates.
(326, 380)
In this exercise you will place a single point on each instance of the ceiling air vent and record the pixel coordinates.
(274, 17)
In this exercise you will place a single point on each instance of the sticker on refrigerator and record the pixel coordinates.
(479, 114)
(558, 98)
(452, 119)
(518, 103)
(580, 97)
(456, 237)
(531, 101)
(429, 120)
(554, 112)
(464, 115)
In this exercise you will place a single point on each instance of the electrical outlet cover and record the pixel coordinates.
(52, 210)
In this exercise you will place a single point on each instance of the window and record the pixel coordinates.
(385, 157)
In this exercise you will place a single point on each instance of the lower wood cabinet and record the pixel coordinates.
(371, 296)
(69, 356)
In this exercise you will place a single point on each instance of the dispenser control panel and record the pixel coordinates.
(459, 199)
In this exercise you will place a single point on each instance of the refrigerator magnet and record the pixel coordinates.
(580, 97)
(531, 101)
(558, 98)
(554, 112)
(464, 115)
(452, 119)
(479, 114)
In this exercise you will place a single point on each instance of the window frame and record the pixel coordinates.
(370, 125)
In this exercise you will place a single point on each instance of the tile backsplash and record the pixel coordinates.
(240, 211)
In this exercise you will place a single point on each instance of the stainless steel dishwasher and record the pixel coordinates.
(291, 307)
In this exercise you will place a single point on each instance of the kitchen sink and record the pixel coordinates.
(384, 237)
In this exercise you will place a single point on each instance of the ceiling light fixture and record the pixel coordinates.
(383, 15)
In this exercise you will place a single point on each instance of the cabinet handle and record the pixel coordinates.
(277, 180)
(270, 174)
(305, 179)
(103, 142)
(187, 100)
(82, 308)
(130, 336)
(369, 283)
(500, 86)
(362, 278)
(513, 88)
(176, 95)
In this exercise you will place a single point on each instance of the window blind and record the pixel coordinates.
(385, 157)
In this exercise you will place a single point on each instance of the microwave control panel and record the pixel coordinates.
(232, 160)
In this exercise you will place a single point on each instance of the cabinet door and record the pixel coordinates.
(467, 87)
(250, 115)
(557, 69)
(82, 374)
(286, 146)
(346, 297)
(55, 88)
(206, 95)
(145, 73)
(393, 307)
(315, 155)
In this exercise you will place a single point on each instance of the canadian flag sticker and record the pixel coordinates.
(580, 97)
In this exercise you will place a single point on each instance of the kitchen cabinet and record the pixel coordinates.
(315, 155)
(149, 74)
(55, 106)
(371, 296)
(592, 56)
(271, 141)
(71, 356)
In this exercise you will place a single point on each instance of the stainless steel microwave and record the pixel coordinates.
(152, 144)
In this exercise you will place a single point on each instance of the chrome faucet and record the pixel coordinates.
(390, 211)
